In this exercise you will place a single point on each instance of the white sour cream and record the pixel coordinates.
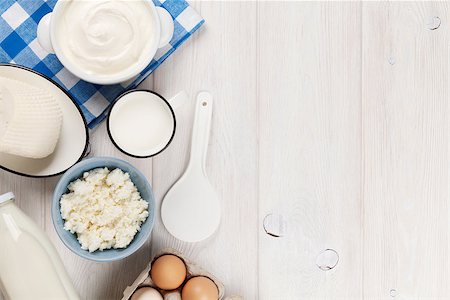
(106, 37)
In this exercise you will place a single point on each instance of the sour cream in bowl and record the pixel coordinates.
(105, 41)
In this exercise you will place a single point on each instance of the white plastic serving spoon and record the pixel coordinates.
(191, 209)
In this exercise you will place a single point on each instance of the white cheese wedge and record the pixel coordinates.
(31, 119)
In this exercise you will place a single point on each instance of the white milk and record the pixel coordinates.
(141, 123)
(30, 267)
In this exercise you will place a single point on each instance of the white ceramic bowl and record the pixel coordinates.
(162, 31)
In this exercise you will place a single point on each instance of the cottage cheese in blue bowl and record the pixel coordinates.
(76, 172)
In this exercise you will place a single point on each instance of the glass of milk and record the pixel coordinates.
(141, 123)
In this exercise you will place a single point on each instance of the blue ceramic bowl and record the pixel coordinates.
(141, 183)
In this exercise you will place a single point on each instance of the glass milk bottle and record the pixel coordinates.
(30, 267)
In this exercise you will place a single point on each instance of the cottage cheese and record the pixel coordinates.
(104, 209)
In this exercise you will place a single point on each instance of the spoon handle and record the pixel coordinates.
(200, 131)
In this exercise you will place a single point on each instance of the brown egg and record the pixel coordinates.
(168, 272)
(200, 288)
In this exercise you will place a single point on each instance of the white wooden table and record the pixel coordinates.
(333, 117)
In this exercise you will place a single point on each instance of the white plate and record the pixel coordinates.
(73, 140)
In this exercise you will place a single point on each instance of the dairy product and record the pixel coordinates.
(30, 267)
(30, 118)
(106, 37)
(141, 123)
(104, 209)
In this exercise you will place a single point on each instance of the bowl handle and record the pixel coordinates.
(178, 100)
(43, 33)
(167, 26)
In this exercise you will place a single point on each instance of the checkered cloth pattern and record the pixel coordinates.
(19, 45)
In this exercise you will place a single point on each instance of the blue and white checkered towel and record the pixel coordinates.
(18, 44)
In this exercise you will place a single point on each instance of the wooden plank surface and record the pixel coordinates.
(310, 148)
(405, 125)
(332, 119)
(221, 59)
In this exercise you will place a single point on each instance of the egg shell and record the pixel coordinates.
(193, 270)
(200, 288)
(146, 293)
(168, 272)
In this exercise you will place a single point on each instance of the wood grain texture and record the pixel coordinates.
(309, 94)
(220, 59)
(405, 125)
(331, 116)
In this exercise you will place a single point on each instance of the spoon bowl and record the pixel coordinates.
(191, 208)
